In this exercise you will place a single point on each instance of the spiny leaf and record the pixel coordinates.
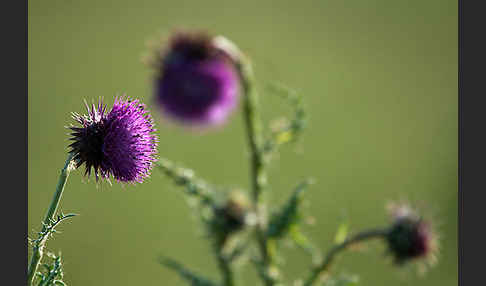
(191, 277)
(53, 274)
(347, 280)
(282, 220)
(272, 247)
(46, 266)
(185, 178)
(342, 233)
(291, 130)
(301, 240)
(49, 229)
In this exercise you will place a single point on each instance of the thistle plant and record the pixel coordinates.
(119, 144)
(197, 80)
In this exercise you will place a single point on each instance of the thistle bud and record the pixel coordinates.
(410, 236)
(232, 215)
(196, 79)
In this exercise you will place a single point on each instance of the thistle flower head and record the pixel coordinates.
(196, 80)
(410, 236)
(118, 143)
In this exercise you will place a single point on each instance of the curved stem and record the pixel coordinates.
(38, 249)
(324, 265)
(257, 172)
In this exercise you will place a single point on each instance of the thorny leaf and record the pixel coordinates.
(342, 233)
(344, 280)
(288, 216)
(185, 178)
(301, 240)
(53, 274)
(291, 129)
(49, 229)
(192, 278)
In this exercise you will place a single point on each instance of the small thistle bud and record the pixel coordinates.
(410, 236)
(117, 143)
(232, 215)
(196, 79)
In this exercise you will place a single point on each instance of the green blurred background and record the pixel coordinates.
(379, 79)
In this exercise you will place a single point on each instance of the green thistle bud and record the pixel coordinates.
(232, 215)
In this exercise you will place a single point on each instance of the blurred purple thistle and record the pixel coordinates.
(410, 236)
(119, 143)
(196, 81)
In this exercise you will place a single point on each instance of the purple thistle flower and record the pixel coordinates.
(119, 143)
(197, 82)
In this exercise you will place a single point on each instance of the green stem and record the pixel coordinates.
(226, 270)
(225, 267)
(38, 249)
(326, 263)
(255, 141)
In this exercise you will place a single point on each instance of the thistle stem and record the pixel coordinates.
(38, 249)
(326, 263)
(257, 172)
(225, 268)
